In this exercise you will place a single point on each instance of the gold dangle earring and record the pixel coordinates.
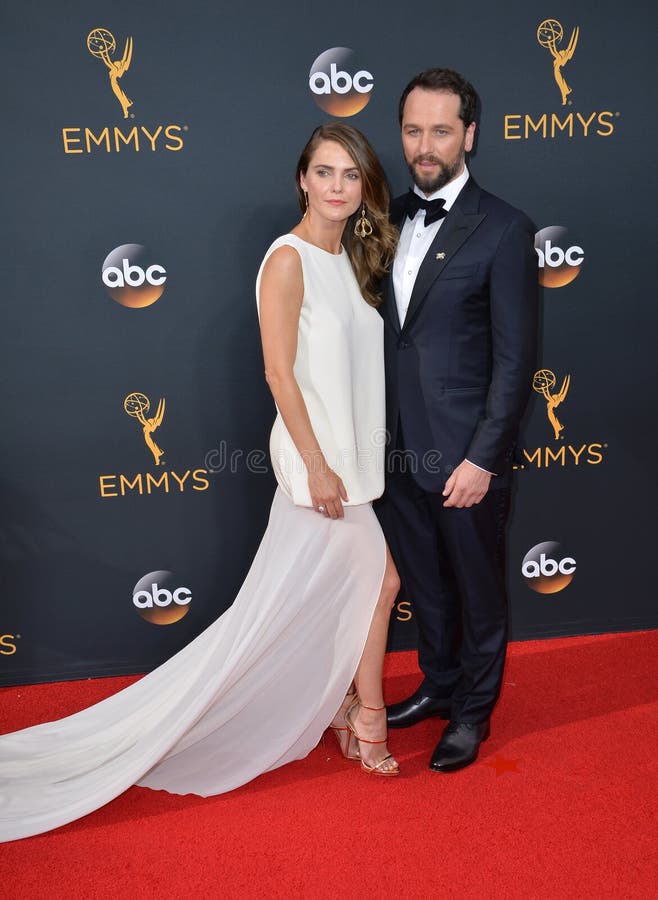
(363, 228)
(306, 201)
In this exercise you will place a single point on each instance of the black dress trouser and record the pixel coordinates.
(452, 566)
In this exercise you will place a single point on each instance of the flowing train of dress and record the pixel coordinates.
(252, 692)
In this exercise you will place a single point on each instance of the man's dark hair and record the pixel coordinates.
(445, 80)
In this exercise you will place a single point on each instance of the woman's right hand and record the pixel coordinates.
(327, 491)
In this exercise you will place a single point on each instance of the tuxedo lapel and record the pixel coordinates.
(389, 306)
(459, 225)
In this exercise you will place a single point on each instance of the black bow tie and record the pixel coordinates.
(434, 209)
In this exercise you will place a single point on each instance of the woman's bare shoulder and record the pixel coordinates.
(285, 260)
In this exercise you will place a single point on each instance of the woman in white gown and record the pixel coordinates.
(260, 685)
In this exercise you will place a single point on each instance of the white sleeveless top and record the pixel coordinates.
(339, 368)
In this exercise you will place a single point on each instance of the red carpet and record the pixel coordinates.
(561, 804)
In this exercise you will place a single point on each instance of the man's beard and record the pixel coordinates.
(429, 184)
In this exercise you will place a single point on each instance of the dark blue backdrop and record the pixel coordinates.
(199, 174)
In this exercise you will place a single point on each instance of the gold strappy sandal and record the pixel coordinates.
(377, 768)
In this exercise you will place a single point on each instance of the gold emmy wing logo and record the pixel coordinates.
(542, 382)
(102, 44)
(549, 35)
(137, 405)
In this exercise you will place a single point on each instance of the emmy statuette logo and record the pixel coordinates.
(577, 453)
(137, 405)
(102, 44)
(549, 35)
(93, 137)
(161, 480)
(565, 122)
(544, 380)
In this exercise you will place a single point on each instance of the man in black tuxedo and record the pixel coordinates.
(460, 311)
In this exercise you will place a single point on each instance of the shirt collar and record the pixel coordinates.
(449, 191)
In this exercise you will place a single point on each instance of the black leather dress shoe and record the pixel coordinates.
(459, 746)
(416, 708)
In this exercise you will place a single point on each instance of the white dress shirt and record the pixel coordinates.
(415, 241)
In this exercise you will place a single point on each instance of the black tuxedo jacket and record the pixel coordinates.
(459, 370)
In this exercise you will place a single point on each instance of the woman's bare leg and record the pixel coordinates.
(369, 724)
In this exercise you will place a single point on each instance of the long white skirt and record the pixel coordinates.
(252, 692)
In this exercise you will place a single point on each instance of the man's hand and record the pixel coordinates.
(466, 486)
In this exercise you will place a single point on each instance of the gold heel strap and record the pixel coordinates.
(350, 724)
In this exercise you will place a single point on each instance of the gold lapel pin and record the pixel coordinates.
(440, 256)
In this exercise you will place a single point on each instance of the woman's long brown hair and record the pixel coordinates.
(371, 256)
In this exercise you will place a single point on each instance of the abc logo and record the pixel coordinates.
(547, 569)
(559, 263)
(337, 85)
(159, 599)
(131, 278)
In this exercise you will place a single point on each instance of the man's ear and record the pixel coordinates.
(470, 137)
